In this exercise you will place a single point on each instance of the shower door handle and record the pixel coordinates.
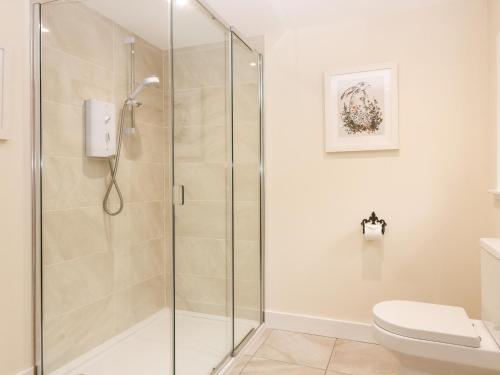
(178, 195)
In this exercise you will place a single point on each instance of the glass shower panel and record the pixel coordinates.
(202, 182)
(246, 189)
(104, 277)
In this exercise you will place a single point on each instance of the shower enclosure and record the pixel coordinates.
(148, 188)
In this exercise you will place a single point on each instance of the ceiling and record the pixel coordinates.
(262, 17)
(149, 18)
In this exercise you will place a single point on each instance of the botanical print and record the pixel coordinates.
(360, 113)
(361, 107)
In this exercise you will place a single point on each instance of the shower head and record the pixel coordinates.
(151, 80)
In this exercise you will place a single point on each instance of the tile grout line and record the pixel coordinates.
(289, 363)
(252, 356)
(331, 356)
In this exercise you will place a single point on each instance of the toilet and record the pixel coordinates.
(430, 339)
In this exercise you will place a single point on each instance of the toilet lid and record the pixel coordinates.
(425, 321)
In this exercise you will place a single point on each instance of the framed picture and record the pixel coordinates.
(361, 109)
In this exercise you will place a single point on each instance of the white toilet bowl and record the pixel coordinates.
(435, 339)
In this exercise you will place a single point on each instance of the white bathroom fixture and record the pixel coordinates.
(430, 339)
(100, 129)
(148, 81)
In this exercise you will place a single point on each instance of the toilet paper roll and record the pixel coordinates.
(373, 232)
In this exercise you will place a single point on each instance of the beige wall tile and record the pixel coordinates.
(148, 114)
(148, 60)
(139, 302)
(67, 336)
(202, 219)
(201, 289)
(246, 314)
(184, 78)
(76, 283)
(201, 257)
(138, 263)
(202, 181)
(247, 260)
(197, 144)
(148, 144)
(151, 110)
(147, 182)
(63, 132)
(70, 80)
(152, 96)
(188, 107)
(246, 103)
(195, 67)
(247, 221)
(247, 143)
(214, 105)
(247, 295)
(78, 31)
(71, 234)
(183, 304)
(121, 51)
(73, 182)
(188, 144)
(209, 65)
(246, 181)
(137, 223)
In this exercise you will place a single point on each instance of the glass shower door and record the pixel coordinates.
(246, 115)
(202, 190)
(104, 278)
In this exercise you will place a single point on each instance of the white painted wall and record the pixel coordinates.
(15, 233)
(432, 192)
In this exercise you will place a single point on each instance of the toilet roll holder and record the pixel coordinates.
(373, 219)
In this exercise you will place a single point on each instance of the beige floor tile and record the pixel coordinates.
(297, 348)
(241, 362)
(255, 344)
(266, 366)
(357, 358)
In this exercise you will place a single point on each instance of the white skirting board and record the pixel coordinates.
(314, 325)
(29, 371)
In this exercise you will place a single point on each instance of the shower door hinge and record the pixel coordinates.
(178, 195)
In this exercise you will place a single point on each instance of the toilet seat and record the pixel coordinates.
(425, 321)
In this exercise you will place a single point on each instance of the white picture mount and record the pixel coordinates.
(361, 109)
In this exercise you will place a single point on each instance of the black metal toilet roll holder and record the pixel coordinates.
(373, 219)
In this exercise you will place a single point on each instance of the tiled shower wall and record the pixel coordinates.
(246, 185)
(202, 143)
(101, 274)
(201, 154)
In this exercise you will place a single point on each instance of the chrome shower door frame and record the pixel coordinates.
(36, 186)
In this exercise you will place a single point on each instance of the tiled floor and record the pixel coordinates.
(281, 352)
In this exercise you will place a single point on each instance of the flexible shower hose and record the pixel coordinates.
(113, 168)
